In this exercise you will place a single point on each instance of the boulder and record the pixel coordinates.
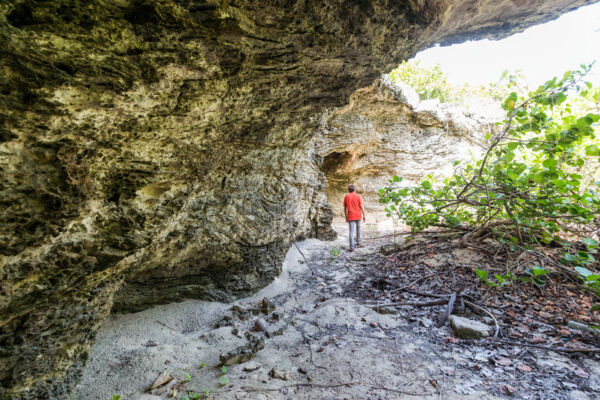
(465, 328)
(400, 91)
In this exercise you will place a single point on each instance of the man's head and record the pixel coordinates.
(351, 188)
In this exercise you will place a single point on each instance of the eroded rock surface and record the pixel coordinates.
(385, 130)
(156, 151)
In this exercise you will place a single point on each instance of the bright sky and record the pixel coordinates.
(541, 52)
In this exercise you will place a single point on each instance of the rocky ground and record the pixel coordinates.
(311, 334)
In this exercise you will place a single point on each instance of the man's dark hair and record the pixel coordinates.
(351, 188)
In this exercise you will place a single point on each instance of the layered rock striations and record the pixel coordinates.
(156, 150)
(385, 130)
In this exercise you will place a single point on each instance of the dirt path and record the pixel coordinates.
(320, 343)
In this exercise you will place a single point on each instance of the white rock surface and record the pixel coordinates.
(467, 328)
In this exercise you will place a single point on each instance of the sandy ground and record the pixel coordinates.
(320, 344)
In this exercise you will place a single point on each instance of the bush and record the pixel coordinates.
(529, 188)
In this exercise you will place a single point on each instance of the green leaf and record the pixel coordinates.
(481, 274)
(550, 163)
(539, 178)
(596, 307)
(509, 156)
(513, 176)
(589, 242)
(512, 145)
(583, 271)
(396, 178)
(426, 185)
(592, 278)
(538, 271)
(592, 150)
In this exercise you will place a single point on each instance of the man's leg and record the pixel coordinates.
(351, 235)
(358, 242)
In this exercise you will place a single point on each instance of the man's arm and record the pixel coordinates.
(362, 208)
(345, 211)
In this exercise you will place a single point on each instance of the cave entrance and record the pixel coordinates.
(336, 162)
(339, 169)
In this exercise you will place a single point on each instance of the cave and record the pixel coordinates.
(194, 132)
(335, 163)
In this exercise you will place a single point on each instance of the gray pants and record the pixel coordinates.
(352, 225)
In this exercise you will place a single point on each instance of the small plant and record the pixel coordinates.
(202, 365)
(207, 392)
(334, 251)
(224, 369)
(116, 397)
(223, 381)
(188, 377)
(537, 276)
(503, 280)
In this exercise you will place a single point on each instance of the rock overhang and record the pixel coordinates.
(154, 151)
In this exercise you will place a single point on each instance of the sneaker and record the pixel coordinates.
(351, 249)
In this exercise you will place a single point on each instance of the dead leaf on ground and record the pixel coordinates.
(506, 389)
(581, 373)
(524, 368)
(503, 361)
(161, 380)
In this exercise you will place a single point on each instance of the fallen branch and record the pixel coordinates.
(437, 296)
(550, 348)
(302, 254)
(325, 386)
(413, 233)
(476, 307)
(405, 286)
(448, 311)
(410, 303)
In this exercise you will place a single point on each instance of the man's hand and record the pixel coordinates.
(364, 219)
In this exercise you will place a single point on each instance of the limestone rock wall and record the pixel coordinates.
(156, 150)
(385, 130)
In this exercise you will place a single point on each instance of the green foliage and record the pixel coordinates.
(503, 280)
(334, 251)
(116, 397)
(433, 83)
(532, 187)
(429, 82)
(536, 275)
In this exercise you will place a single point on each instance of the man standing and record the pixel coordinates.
(354, 210)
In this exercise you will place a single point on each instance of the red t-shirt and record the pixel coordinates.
(353, 201)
